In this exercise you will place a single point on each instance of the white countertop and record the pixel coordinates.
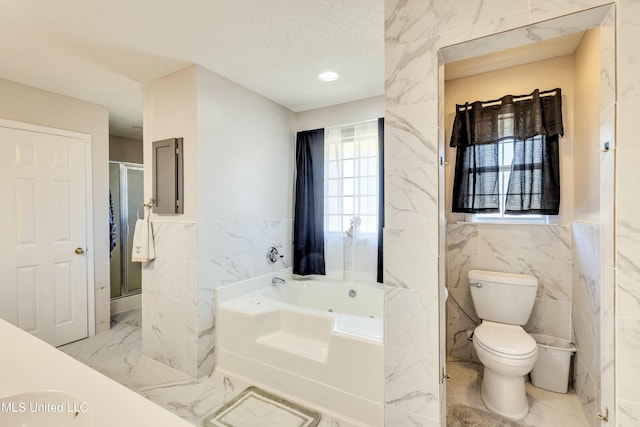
(28, 364)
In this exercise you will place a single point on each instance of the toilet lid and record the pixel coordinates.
(510, 340)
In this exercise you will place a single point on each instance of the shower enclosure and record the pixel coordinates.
(126, 185)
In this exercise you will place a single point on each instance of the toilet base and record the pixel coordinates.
(504, 395)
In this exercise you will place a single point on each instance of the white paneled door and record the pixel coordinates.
(43, 232)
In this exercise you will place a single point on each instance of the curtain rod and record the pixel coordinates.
(516, 98)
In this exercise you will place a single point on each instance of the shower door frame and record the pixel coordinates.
(123, 232)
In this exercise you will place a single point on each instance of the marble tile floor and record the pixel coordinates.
(118, 354)
(548, 409)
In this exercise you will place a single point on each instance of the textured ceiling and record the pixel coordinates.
(104, 51)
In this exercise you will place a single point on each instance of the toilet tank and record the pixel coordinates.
(503, 297)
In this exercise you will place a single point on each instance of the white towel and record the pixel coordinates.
(143, 248)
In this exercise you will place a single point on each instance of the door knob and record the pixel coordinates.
(79, 251)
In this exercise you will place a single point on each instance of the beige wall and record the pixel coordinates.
(520, 80)
(341, 114)
(30, 105)
(125, 149)
(170, 109)
(245, 157)
(586, 157)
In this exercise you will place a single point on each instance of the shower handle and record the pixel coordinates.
(273, 255)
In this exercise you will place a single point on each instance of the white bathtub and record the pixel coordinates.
(309, 340)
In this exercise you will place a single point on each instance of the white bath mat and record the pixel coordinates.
(257, 408)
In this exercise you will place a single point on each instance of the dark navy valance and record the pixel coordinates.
(539, 113)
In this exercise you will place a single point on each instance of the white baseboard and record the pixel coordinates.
(120, 305)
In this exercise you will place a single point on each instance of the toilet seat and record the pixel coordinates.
(508, 341)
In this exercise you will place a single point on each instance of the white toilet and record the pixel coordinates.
(504, 302)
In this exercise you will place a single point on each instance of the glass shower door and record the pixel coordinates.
(126, 184)
(116, 253)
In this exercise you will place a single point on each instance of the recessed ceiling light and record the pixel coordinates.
(328, 76)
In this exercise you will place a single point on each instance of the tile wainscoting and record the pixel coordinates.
(192, 260)
(543, 251)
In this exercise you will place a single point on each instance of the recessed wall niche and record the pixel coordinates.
(575, 53)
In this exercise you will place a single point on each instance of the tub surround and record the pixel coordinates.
(284, 337)
(193, 259)
(29, 364)
(232, 251)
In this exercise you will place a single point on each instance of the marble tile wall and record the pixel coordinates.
(411, 319)
(410, 238)
(462, 256)
(412, 373)
(169, 296)
(414, 31)
(627, 217)
(192, 260)
(606, 384)
(585, 314)
(543, 251)
(231, 251)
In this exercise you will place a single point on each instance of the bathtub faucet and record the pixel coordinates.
(277, 281)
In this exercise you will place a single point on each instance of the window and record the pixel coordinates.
(505, 148)
(338, 169)
(351, 178)
(507, 159)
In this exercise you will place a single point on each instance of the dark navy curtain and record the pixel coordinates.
(380, 195)
(308, 221)
(534, 123)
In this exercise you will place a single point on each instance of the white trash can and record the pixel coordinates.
(551, 371)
